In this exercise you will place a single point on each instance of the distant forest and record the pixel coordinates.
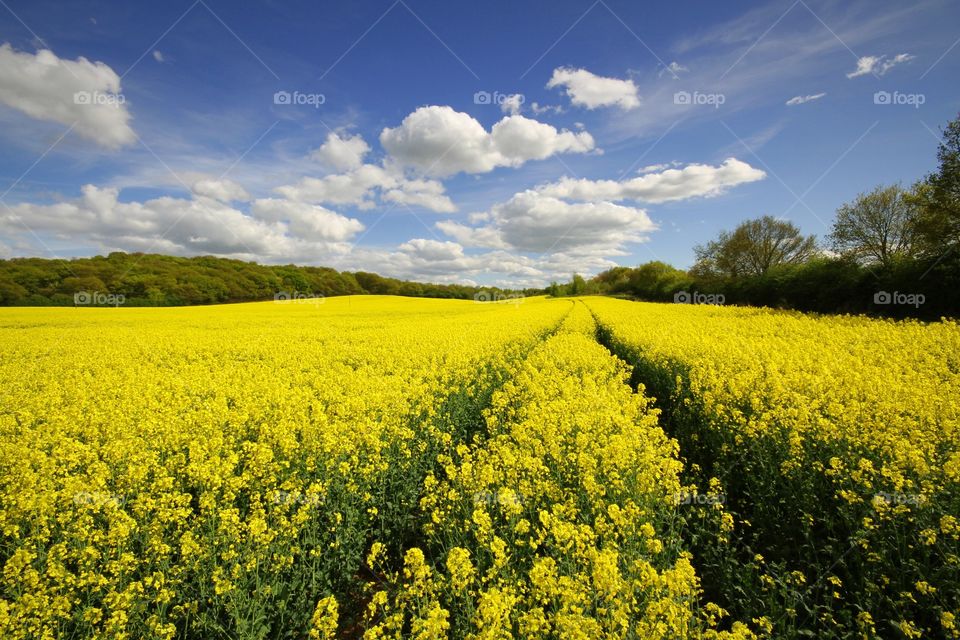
(137, 279)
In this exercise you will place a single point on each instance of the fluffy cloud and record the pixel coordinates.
(794, 101)
(342, 153)
(537, 223)
(352, 188)
(221, 189)
(694, 180)
(72, 92)
(438, 261)
(580, 219)
(306, 221)
(359, 188)
(432, 249)
(512, 104)
(489, 237)
(438, 141)
(878, 65)
(274, 229)
(428, 194)
(588, 90)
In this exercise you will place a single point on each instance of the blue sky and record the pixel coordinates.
(496, 142)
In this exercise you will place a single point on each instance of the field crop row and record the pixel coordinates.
(386, 467)
(837, 443)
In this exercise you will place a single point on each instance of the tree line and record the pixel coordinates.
(138, 279)
(892, 251)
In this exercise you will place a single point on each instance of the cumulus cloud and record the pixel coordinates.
(360, 187)
(71, 92)
(274, 229)
(878, 65)
(439, 141)
(432, 249)
(487, 236)
(222, 189)
(428, 194)
(306, 221)
(512, 104)
(351, 188)
(342, 153)
(652, 168)
(694, 180)
(534, 222)
(588, 90)
(794, 101)
(581, 219)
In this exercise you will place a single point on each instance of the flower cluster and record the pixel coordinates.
(838, 442)
(221, 471)
(559, 521)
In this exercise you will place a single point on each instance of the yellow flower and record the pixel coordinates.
(324, 620)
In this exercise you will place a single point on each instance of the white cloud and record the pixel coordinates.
(71, 92)
(352, 188)
(342, 153)
(538, 109)
(518, 139)
(222, 189)
(588, 90)
(360, 187)
(306, 221)
(534, 222)
(878, 65)
(274, 229)
(652, 168)
(512, 104)
(158, 56)
(428, 194)
(473, 236)
(438, 141)
(794, 101)
(432, 249)
(694, 180)
(575, 225)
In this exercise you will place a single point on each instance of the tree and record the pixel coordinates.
(578, 286)
(656, 280)
(556, 290)
(613, 280)
(938, 197)
(876, 227)
(753, 248)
